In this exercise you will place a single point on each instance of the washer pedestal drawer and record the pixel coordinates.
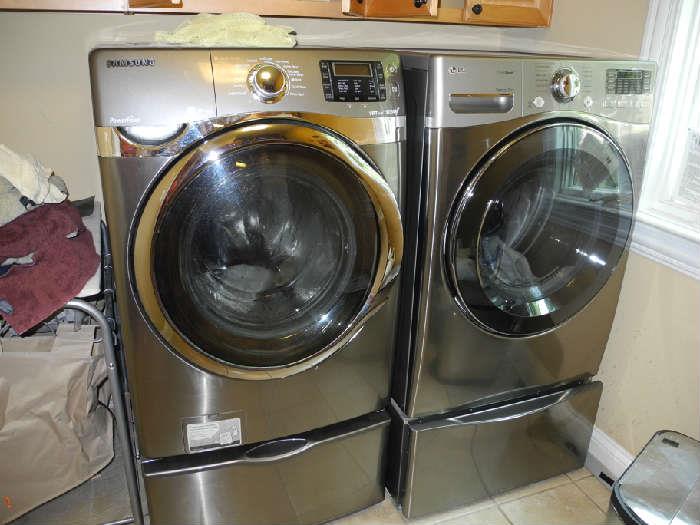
(458, 459)
(304, 479)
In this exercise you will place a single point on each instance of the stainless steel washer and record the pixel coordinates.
(253, 199)
(527, 173)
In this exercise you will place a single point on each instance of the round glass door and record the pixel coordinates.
(539, 228)
(261, 255)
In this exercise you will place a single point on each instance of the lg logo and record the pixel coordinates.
(452, 70)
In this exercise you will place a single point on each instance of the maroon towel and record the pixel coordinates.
(61, 266)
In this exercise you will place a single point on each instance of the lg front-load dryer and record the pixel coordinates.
(253, 200)
(527, 174)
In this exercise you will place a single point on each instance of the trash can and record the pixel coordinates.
(662, 485)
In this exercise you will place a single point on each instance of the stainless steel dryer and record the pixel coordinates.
(526, 174)
(253, 199)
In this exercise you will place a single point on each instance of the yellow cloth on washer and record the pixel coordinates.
(228, 30)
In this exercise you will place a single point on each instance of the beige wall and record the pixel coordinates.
(651, 367)
(45, 104)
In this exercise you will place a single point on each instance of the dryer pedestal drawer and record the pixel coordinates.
(457, 460)
(305, 479)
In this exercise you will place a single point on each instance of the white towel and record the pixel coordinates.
(11, 205)
(29, 176)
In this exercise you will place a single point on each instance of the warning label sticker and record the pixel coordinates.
(212, 434)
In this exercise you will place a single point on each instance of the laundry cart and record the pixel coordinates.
(55, 441)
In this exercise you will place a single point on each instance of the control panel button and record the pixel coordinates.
(538, 102)
(566, 84)
(588, 102)
(268, 83)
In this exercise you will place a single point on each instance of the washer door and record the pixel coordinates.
(262, 251)
(539, 228)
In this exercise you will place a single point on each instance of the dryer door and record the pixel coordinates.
(260, 252)
(539, 228)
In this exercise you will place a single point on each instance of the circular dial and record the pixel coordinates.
(268, 83)
(566, 84)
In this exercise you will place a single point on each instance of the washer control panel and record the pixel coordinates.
(352, 81)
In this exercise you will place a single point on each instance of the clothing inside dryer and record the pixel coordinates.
(541, 228)
(562, 213)
(267, 254)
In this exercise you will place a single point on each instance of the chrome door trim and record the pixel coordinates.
(114, 142)
(267, 131)
(468, 190)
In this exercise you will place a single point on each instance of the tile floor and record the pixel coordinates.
(576, 498)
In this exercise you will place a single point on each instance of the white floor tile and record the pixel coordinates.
(534, 488)
(487, 516)
(598, 491)
(579, 474)
(562, 505)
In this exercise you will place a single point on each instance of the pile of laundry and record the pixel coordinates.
(46, 253)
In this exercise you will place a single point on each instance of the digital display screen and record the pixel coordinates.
(351, 69)
(628, 81)
(627, 74)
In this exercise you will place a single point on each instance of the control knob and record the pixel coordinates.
(566, 84)
(268, 83)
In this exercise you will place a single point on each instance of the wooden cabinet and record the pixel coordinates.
(519, 13)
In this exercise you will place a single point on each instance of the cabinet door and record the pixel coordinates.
(519, 13)
(390, 8)
(135, 4)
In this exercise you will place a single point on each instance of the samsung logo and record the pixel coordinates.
(131, 62)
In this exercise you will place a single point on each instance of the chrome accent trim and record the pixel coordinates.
(111, 142)
(475, 103)
(566, 84)
(144, 226)
(226, 457)
(509, 412)
(259, 92)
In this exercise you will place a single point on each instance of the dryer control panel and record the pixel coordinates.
(472, 90)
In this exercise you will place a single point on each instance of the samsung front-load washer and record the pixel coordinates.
(253, 200)
(527, 171)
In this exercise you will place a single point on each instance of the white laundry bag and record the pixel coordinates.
(54, 432)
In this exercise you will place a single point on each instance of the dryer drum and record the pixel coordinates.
(539, 228)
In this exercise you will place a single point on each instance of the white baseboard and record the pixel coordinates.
(606, 455)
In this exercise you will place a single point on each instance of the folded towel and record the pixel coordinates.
(63, 256)
(30, 177)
